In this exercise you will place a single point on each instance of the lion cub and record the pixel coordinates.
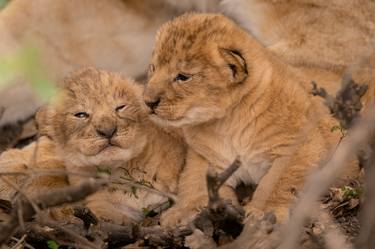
(231, 97)
(97, 123)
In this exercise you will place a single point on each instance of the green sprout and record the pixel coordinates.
(103, 170)
(349, 192)
(339, 128)
(51, 244)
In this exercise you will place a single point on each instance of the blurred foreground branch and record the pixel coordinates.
(50, 199)
(217, 215)
(345, 107)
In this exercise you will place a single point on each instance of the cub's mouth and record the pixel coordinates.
(103, 148)
(109, 146)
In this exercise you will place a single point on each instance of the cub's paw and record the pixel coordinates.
(178, 216)
(276, 215)
(253, 211)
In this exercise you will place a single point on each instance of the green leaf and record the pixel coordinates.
(335, 128)
(145, 183)
(104, 170)
(134, 192)
(350, 192)
(149, 213)
(52, 244)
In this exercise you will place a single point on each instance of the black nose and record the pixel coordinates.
(153, 104)
(107, 132)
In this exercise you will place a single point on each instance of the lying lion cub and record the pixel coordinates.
(97, 123)
(231, 97)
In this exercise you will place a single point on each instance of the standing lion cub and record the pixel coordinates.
(231, 97)
(97, 122)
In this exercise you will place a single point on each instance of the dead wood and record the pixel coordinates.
(47, 200)
(346, 105)
(219, 214)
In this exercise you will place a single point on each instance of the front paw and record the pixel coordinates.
(279, 215)
(178, 216)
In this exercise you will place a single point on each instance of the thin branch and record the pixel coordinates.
(131, 183)
(319, 182)
(19, 242)
(120, 235)
(346, 106)
(50, 199)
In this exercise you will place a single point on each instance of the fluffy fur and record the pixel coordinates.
(96, 123)
(320, 37)
(231, 97)
(115, 35)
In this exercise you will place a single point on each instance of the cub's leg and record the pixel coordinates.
(114, 206)
(34, 170)
(192, 192)
(276, 191)
(278, 188)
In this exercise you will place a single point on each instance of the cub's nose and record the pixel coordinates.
(106, 132)
(152, 104)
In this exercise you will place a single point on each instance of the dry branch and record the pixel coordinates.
(218, 213)
(319, 182)
(367, 215)
(51, 199)
(346, 106)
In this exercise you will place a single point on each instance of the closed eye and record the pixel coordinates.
(182, 77)
(81, 115)
(120, 107)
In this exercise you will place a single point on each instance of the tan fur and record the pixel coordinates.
(115, 136)
(114, 35)
(321, 37)
(237, 100)
(315, 33)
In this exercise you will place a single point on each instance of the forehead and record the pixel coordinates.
(96, 87)
(185, 38)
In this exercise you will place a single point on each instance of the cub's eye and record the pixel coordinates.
(120, 108)
(81, 115)
(182, 77)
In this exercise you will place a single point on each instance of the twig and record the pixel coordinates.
(86, 216)
(120, 235)
(2, 110)
(347, 104)
(80, 240)
(119, 181)
(220, 214)
(19, 242)
(51, 199)
(367, 216)
(25, 244)
(319, 182)
(20, 191)
(130, 183)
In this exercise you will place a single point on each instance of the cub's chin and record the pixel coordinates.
(112, 156)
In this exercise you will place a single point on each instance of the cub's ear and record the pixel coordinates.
(236, 65)
(43, 119)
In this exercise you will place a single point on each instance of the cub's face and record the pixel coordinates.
(191, 76)
(96, 119)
